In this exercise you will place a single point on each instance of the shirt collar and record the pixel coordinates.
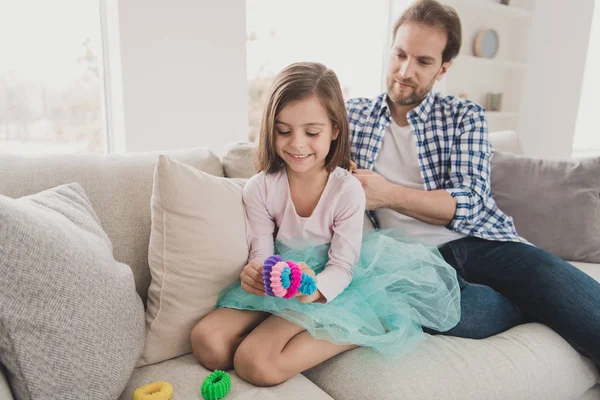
(384, 109)
(422, 110)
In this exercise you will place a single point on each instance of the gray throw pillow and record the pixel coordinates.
(555, 204)
(71, 322)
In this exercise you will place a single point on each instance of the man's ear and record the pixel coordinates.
(443, 70)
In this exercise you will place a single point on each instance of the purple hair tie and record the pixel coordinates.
(267, 267)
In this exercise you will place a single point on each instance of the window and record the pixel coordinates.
(348, 37)
(587, 135)
(51, 79)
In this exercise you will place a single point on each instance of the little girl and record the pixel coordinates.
(376, 291)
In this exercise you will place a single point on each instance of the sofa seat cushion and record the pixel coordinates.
(5, 393)
(528, 362)
(186, 376)
(591, 269)
(592, 394)
(118, 186)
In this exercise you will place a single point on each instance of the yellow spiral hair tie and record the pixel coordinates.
(154, 391)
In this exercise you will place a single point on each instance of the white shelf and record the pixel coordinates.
(509, 11)
(501, 114)
(492, 62)
(475, 76)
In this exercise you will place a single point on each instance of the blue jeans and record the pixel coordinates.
(504, 284)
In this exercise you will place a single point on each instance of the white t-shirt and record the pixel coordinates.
(398, 163)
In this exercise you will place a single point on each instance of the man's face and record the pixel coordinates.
(415, 63)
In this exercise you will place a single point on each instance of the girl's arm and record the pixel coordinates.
(259, 235)
(259, 223)
(345, 243)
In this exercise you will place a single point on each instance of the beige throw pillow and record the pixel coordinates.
(197, 248)
(238, 162)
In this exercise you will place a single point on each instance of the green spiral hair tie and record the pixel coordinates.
(216, 385)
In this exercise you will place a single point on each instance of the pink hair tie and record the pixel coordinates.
(296, 279)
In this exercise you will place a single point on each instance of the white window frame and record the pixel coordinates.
(114, 115)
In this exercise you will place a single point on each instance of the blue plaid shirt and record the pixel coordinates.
(454, 155)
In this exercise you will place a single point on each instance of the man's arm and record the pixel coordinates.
(469, 175)
(436, 207)
(465, 191)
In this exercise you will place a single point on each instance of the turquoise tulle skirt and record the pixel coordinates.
(398, 287)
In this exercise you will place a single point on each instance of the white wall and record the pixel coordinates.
(183, 66)
(558, 45)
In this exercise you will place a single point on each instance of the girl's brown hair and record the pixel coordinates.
(296, 82)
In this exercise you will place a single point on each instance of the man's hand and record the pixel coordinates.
(305, 269)
(378, 190)
(436, 207)
(252, 278)
(353, 166)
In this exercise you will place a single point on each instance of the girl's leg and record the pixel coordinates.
(278, 349)
(217, 336)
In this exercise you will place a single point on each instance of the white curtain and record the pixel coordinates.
(587, 129)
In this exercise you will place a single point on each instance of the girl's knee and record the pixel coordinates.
(257, 368)
(211, 349)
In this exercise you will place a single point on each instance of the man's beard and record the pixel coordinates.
(414, 98)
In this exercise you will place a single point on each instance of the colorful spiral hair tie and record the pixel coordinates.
(276, 278)
(285, 279)
(308, 285)
(267, 267)
(216, 385)
(295, 279)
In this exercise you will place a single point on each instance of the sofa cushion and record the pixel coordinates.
(186, 375)
(528, 362)
(5, 393)
(592, 394)
(555, 204)
(238, 161)
(197, 248)
(592, 270)
(119, 187)
(71, 321)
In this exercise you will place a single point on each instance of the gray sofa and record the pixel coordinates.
(527, 362)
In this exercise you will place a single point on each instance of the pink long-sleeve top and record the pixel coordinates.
(336, 220)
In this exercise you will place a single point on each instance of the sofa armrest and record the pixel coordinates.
(5, 393)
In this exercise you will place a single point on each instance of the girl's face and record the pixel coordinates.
(303, 135)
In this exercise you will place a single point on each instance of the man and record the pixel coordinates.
(424, 162)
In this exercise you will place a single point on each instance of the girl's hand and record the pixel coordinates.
(252, 278)
(316, 296)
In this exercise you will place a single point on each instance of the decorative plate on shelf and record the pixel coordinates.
(486, 43)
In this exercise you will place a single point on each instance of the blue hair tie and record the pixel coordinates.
(285, 277)
(308, 285)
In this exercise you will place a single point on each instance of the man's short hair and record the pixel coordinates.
(434, 14)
